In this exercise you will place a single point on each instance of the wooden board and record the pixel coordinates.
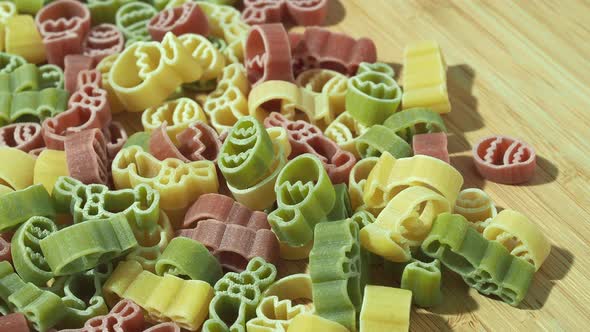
(520, 69)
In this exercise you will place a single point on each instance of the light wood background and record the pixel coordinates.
(522, 69)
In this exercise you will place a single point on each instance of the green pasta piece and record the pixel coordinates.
(372, 97)
(132, 19)
(28, 6)
(140, 205)
(82, 295)
(18, 206)
(379, 139)
(342, 208)
(159, 4)
(305, 196)
(222, 2)
(377, 67)
(219, 43)
(141, 139)
(42, 308)
(410, 122)
(51, 76)
(484, 265)
(363, 218)
(32, 106)
(247, 154)
(23, 78)
(104, 11)
(237, 295)
(28, 260)
(201, 86)
(9, 62)
(189, 259)
(338, 272)
(84, 246)
(424, 280)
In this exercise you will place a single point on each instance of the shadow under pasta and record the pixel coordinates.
(336, 12)
(546, 172)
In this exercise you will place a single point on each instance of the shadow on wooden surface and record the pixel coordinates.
(422, 320)
(555, 267)
(546, 172)
(336, 12)
(464, 164)
(456, 298)
(397, 68)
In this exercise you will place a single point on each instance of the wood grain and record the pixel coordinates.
(520, 69)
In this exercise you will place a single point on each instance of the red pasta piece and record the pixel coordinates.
(198, 142)
(63, 25)
(126, 316)
(433, 144)
(188, 18)
(294, 39)
(307, 138)
(87, 108)
(24, 136)
(164, 327)
(86, 156)
(322, 48)
(116, 136)
(504, 160)
(267, 55)
(5, 253)
(308, 12)
(234, 245)
(263, 11)
(302, 12)
(14, 323)
(74, 64)
(224, 209)
(101, 41)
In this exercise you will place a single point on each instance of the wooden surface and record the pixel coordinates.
(519, 69)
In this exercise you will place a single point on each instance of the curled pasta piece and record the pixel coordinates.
(10, 62)
(204, 51)
(49, 166)
(177, 114)
(18, 174)
(303, 12)
(101, 41)
(197, 142)
(424, 280)
(132, 19)
(504, 160)
(331, 83)
(23, 136)
(225, 21)
(32, 105)
(377, 67)
(18, 206)
(23, 39)
(380, 314)
(345, 131)
(413, 121)
(188, 18)
(224, 209)
(434, 145)
(73, 65)
(520, 236)
(104, 68)
(267, 54)
(372, 97)
(86, 155)
(308, 322)
(379, 139)
(476, 206)
(124, 316)
(151, 243)
(356, 183)
(273, 314)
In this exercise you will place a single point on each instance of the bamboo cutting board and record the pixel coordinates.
(520, 69)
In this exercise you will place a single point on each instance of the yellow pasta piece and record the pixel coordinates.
(274, 315)
(345, 130)
(23, 38)
(295, 253)
(203, 51)
(425, 77)
(291, 287)
(476, 206)
(146, 73)
(50, 165)
(167, 298)
(229, 101)
(104, 67)
(385, 309)
(405, 221)
(234, 52)
(179, 183)
(7, 10)
(178, 114)
(520, 236)
(356, 184)
(16, 168)
(308, 322)
(225, 21)
(390, 176)
(5, 189)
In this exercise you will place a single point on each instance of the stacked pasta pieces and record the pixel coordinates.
(259, 147)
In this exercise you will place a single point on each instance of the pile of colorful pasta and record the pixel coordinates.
(259, 147)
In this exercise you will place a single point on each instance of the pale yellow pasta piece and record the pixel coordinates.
(425, 77)
(104, 67)
(178, 115)
(280, 139)
(476, 206)
(274, 315)
(50, 165)
(22, 38)
(229, 101)
(291, 287)
(520, 236)
(203, 51)
(295, 253)
(5, 189)
(331, 83)
(390, 176)
(7, 10)
(125, 273)
(224, 21)
(405, 221)
(345, 130)
(385, 309)
(16, 168)
(234, 52)
(308, 323)
(356, 184)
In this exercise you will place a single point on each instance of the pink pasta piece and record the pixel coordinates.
(164, 327)
(433, 144)
(86, 156)
(14, 323)
(302, 12)
(267, 54)
(308, 12)
(126, 316)
(87, 108)
(322, 48)
(5, 253)
(294, 39)
(504, 160)
(234, 245)
(198, 142)
(101, 41)
(188, 18)
(224, 209)
(24, 136)
(263, 11)
(63, 25)
(74, 64)
(116, 136)
(307, 138)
